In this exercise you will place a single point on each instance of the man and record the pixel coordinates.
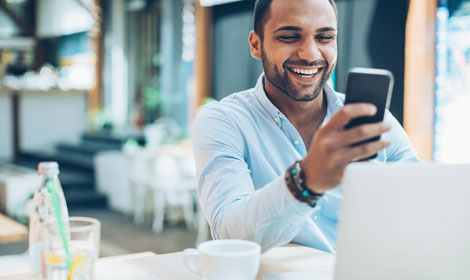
(270, 159)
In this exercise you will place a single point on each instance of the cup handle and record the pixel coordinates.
(191, 259)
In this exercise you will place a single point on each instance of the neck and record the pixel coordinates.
(299, 113)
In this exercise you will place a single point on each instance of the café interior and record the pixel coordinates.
(109, 90)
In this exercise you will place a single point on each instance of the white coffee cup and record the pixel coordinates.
(227, 259)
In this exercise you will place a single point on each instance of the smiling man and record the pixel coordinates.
(270, 160)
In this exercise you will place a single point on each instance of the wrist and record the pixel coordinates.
(309, 178)
(295, 182)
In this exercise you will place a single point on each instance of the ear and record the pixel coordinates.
(255, 45)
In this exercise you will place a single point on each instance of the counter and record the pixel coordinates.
(34, 119)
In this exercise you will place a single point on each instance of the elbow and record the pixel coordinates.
(266, 236)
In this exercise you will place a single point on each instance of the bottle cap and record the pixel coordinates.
(48, 168)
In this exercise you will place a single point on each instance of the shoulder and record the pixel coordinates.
(223, 120)
(232, 102)
(232, 108)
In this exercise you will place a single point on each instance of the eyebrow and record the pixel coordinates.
(296, 28)
(326, 29)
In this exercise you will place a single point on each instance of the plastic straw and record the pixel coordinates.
(58, 214)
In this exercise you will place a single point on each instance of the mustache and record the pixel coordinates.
(303, 62)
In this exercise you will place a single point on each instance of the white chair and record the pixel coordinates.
(174, 185)
(140, 170)
(168, 176)
(162, 131)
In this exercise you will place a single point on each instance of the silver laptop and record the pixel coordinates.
(404, 221)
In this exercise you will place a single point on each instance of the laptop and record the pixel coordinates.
(404, 221)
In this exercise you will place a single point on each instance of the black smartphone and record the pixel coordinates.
(369, 85)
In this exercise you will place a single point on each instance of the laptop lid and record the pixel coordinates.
(404, 221)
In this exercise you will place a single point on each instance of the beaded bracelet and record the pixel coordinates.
(295, 180)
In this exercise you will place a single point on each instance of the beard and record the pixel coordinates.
(282, 81)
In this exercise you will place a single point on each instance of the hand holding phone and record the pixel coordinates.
(369, 85)
(333, 147)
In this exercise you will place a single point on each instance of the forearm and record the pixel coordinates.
(270, 216)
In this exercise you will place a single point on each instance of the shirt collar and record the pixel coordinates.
(334, 102)
(268, 106)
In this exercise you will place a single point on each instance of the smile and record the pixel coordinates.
(303, 72)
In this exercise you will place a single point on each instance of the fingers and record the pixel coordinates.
(332, 146)
(350, 111)
(363, 132)
(365, 150)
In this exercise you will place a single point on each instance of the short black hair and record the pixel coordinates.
(262, 13)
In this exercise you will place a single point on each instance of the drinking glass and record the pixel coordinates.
(74, 257)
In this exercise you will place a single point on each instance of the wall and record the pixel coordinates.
(49, 118)
(233, 67)
(44, 119)
(372, 34)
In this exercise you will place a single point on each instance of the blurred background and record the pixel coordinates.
(109, 89)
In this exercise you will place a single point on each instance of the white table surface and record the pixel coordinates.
(285, 262)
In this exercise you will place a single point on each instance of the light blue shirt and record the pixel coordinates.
(243, 146)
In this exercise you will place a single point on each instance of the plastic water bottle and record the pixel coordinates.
(42, 211)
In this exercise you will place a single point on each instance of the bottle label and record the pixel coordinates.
(36, 257)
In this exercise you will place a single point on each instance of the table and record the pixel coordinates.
(150, 266)
(11, 231)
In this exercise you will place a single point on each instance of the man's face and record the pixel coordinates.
(299, 48)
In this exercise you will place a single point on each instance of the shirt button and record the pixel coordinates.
(315, 218)
(296, 142)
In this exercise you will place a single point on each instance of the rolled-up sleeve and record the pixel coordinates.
(400, 148)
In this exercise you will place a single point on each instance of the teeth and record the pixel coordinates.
(305, 71)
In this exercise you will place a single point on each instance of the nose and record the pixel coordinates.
(309, 50)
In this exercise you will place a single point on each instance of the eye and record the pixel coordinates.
(289, 38)
(324, 38)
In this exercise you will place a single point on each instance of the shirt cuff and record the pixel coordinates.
(289, 204)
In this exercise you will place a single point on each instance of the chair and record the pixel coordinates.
(181, 160)
(140, 162)
(174, 185)
(168, 176)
